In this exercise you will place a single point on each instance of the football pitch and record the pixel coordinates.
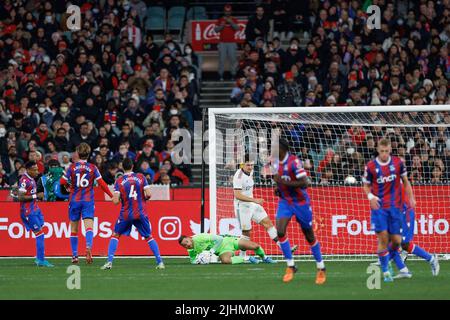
(138, 279)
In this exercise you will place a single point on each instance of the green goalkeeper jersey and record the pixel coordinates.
(206, 242)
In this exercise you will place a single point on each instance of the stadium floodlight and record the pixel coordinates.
(334, 144)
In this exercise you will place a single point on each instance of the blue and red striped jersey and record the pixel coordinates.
(385, 180)
(290, 169)
(81, 175)
(131, 188)
(27, 185)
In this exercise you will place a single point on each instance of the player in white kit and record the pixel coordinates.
(247, 208)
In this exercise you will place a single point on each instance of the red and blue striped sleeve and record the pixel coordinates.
(68, 174)
(97, 174)
(297, 168)
(145, 184)
(23, 184)
(368, 176)
(117, 186)
(403, 171)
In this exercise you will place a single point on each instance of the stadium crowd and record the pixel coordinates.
(112, 86)
(109, 85)
(345, 63)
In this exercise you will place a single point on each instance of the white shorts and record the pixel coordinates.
(246, 212)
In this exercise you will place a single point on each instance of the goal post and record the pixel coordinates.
(334, 144)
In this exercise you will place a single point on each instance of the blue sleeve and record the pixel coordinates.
(58, 192)
(368, 176)
(117, 186)
(403, 171)
(68, 174)
(152, 174)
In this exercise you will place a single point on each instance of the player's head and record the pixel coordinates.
(186, 242)
(384, 149)
(83, 150)
(32, 169)
(127, 164)
(283, 147)
(248, 164)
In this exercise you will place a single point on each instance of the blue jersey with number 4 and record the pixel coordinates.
(131, 188)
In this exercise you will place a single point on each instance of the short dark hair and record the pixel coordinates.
(53, 163)
(30, 164)
(127, 164)
(181, 238)
(284, 145)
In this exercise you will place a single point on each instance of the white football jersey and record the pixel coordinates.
(243, 182)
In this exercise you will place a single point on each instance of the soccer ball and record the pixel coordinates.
(203, 258)
(350, 180)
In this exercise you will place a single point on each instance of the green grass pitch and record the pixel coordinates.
(138, 279)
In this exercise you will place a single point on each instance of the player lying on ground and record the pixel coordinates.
(383, 178)
(30, 213)
(131, 190)
(248, 208)
(409, 247)
(222, 246)
(292, 182)
(81, 176)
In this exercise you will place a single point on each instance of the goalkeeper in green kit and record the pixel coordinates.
(222, 246)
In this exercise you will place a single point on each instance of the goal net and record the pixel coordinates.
(334, 145)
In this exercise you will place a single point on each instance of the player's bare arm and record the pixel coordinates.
(374, 200)
(148, 193)
(28, 198)
(116, 198)
(238, 195)
(409, 191)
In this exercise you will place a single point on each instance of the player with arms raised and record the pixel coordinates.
(383, 179)
(292, 181)
(30, 213)
(81, 176)
(131, 190)
(247, 208)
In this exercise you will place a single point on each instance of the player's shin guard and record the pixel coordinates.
(237, 260)
(383, 256)
(74, 244)
(155, 249)
(113, 243)
(89, 237)
(315, 249)
(272, 231)
(394, 254)
(418, 251)
(286, 249)
(40, 249)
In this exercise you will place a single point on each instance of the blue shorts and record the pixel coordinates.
(34, 221)
(81, 209)
(303, 213)
(408, 225)
(390, 220)
(123, 227)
